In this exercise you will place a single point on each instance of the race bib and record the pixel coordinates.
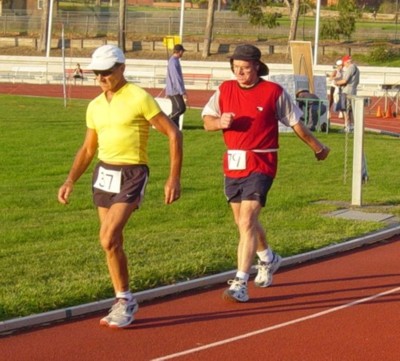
(236, 159)
(108, 180)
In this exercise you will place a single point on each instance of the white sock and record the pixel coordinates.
(127, 295)
(266, 255)
(242, 275)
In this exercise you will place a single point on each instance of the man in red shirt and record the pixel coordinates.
(248, 110)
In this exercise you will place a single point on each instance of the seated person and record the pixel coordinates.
(312, 108)
(78, 73)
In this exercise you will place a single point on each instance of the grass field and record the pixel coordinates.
(49, 253)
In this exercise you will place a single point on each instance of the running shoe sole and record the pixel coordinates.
(227, 296)
(275, 267)
(107, 320)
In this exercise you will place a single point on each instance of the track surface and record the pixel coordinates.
(342, 308)
(196, 98)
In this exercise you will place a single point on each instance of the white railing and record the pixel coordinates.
(151, 73)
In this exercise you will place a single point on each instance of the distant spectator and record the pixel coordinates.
(334, 90)
(175, 85)
(78, 73)
(349, 83)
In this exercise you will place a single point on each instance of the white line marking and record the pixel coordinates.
(275, 327)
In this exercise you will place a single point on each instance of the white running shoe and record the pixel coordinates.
(266, 270)
(237, 292)
(121, 313)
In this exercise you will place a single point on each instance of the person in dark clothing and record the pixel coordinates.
(175, 85)
(312, 107)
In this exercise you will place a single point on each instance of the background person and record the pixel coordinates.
(334, 90)
(349, 83)
(78, 73)
(312, 107)
(175, 89)
(118, 123)
(247, 111)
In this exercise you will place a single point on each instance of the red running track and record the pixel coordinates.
(196, 98)
(341, 308)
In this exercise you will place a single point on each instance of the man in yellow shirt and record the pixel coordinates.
(118, 124)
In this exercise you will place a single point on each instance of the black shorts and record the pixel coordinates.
(255, 187)
(133, 183)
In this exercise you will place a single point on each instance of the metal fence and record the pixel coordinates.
(374, 81)
(104, 22)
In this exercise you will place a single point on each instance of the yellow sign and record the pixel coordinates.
(171, 40)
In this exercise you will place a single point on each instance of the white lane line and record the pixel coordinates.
(275, 327)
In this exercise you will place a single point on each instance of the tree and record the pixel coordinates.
(348, 12)
(294, 12)
(209, 29)
(345, 25)
(44, 25)
(122, 25)
(256, 10)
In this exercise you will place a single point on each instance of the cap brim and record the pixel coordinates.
(241, 57)
(98, 64)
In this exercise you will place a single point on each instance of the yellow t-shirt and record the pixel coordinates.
(122, 125)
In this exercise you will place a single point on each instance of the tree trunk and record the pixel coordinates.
(44, 25)
(209, 29)
(122, 25)
(294, 19)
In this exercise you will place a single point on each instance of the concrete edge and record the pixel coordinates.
(9, 326)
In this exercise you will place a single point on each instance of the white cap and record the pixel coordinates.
(105, 57)
(339, 62)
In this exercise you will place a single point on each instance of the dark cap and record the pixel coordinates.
(249, 52)
(179, 47)
(300, 91)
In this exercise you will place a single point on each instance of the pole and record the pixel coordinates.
(63, 64)
(181, 20)
(397, 16)
(48, 45)
(358, 150)
(317, 32)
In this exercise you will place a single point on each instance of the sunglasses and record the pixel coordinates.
(105, 72)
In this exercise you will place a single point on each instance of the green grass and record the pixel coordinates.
(49, 253)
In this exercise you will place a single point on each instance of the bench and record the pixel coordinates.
(198, 78)
(5, 75)
(140, 76)
(28, 72)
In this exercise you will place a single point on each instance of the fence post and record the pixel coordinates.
(358, 149)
